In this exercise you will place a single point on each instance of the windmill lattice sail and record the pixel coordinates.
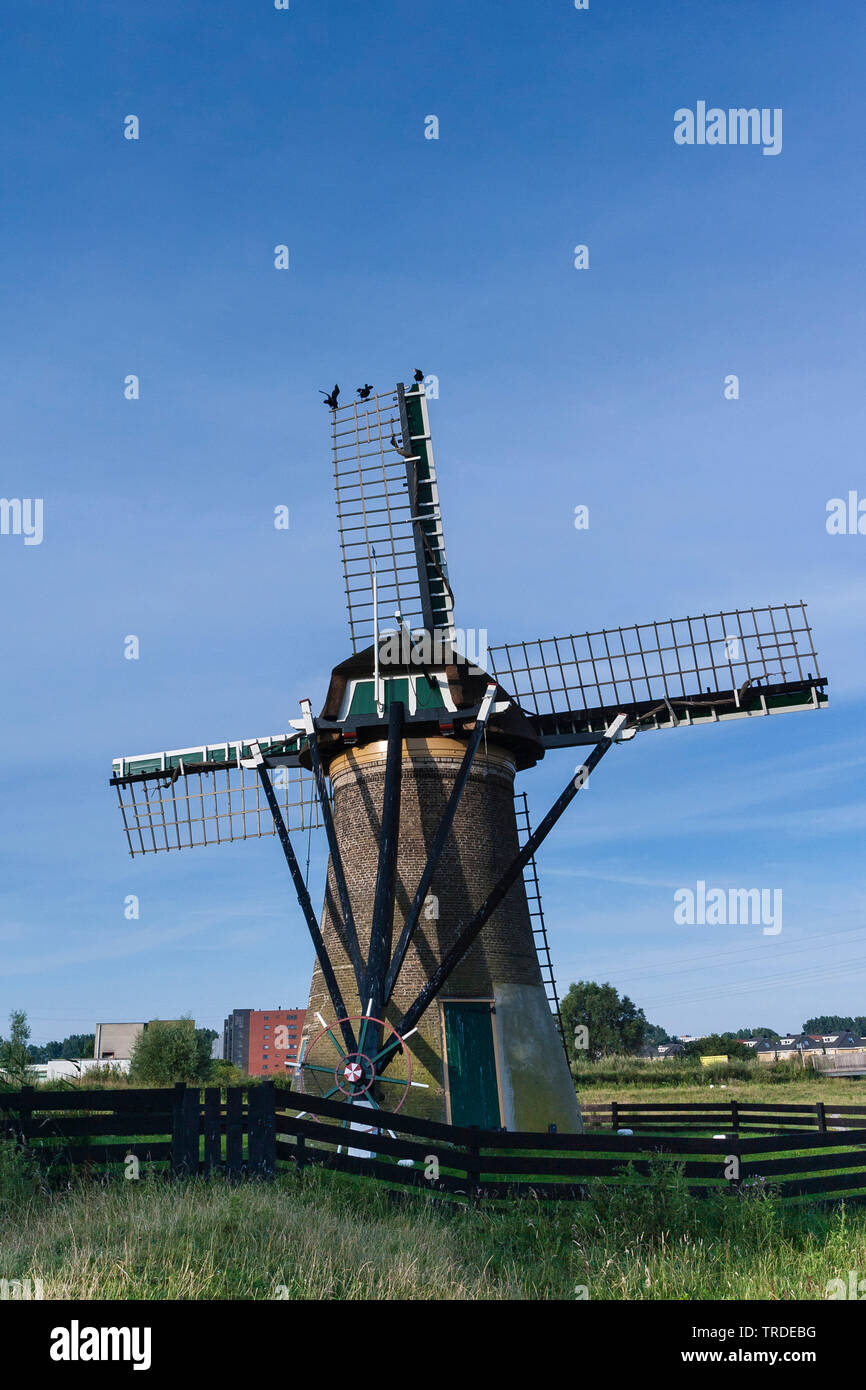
(205, 795)
(681, 671)
(388, 514)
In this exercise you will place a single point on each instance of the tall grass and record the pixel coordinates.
(638, 1071)
(19, 1178)
(325, 1236)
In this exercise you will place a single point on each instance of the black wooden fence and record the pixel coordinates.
(734, 1116)
(259, 1130)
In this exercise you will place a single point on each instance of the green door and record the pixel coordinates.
(472, 1085)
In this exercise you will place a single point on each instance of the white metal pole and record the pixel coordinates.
(378, 694)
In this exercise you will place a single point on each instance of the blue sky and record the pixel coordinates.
(558, 387)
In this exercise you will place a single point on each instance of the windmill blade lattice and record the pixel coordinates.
(687, 670)
(203, 796)
(388, 513)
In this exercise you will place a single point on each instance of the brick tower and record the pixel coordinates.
(487, 1048)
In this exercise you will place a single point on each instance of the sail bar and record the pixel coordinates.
(210, 795)
(436, 597)
(679, 671)
(388, 514)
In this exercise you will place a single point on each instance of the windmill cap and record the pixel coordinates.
(467, 686)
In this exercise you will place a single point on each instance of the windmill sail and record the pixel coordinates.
(205, 795)
(702, 669)
(388, 514)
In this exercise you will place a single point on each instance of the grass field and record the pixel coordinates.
(805, 1092)
(329, 1236)
(326, 1236)
(628, 1079)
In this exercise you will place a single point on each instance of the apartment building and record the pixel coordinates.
(263, 1042)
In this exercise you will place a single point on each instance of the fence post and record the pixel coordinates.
(269, 1130)
(212, 1130)
(27, 1093)
(473, 1167)
(254, 1131)
(614, 1116)
(262, 1144)
(735, 1117)
(11, 1118)
(184, 1131)
(234, 1132)
(734, 1183)
(821, 1117)
(300, 1147)
(177, 1128)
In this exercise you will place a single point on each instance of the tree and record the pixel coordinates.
(14, 1052)
(829, 1023)
(717, 1045)
(71, 1048)
(205, 1037)
(612, 1024)
(77, 1045)
(653, 1035)
(166, 1052)
(758, 1033)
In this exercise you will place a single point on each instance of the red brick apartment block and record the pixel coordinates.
(252, 1041)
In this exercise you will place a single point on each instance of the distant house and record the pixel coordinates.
(831, 1043)
(803, 1045)
(657, 1051)
(116, 1040)
(789, 1045)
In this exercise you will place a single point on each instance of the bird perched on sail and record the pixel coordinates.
(331, 401)
(419, 375)
(364, 391)
(404, 453)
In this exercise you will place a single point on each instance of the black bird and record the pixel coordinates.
(364, 391)
(419, 375)
(331, 400)
(406, 454)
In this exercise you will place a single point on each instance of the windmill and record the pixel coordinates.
(432, 984)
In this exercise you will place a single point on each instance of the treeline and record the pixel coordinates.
(836, 1023)
(598, 1022)
(161, 1055)
(69, 1050)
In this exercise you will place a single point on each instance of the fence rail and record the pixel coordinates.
(258, 1130)
(736, 1116)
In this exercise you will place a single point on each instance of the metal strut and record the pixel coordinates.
(383, 903)
(351, 931)
(439, 842)
(515, 868)
(304, 899)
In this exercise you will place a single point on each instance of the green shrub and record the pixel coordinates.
(19, 1176)
(646, 1208)
(170, 1051)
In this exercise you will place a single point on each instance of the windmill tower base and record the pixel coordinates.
(487, 1051)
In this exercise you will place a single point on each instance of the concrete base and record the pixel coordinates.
(536, 1086)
